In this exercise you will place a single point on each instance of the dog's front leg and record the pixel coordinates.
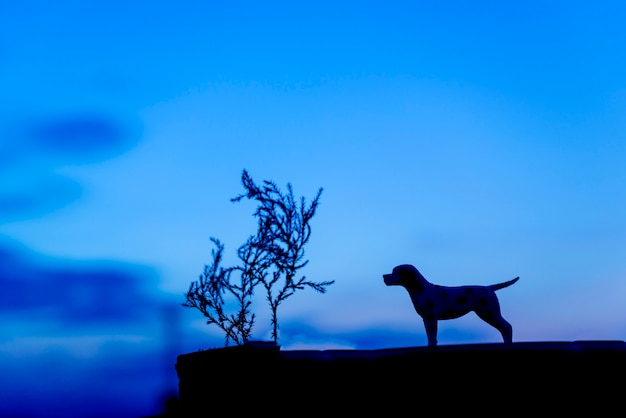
(431, 331)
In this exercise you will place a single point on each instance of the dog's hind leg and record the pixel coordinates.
(499, 323)
(505, 329)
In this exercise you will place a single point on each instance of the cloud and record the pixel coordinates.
(32, 150)
(297, 334)
(70, 293)
(95, 337)
(83, 137)
(125, 378)
(37, 198)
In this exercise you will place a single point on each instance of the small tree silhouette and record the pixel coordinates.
(271, 257)
(206, 295)
(283, 231)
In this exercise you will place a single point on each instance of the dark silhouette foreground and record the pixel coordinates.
(434, 302)
(483, 379)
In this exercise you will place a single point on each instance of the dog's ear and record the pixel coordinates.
(403, 267)
(411, 269)
(409, 276)
(417, 274)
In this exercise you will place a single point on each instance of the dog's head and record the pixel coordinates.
(402, 275)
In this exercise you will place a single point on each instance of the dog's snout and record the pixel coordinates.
(388, 278)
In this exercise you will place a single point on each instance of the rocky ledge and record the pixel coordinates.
(522, 377)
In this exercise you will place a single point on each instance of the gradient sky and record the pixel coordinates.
(478, 141)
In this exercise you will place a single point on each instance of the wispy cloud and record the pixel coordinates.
(32, 151)
(72, 293)
(37, 196)
(95, 327)
(83, 137)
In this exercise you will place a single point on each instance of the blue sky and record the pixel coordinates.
(478, 141)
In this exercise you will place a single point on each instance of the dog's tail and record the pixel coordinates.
(502, 285)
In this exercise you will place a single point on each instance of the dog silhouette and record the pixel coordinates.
(434, 302)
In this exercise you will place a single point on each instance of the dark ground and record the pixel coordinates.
(582, 377)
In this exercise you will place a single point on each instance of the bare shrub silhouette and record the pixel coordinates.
(283, 231)
(272, 257)
(207, 293)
